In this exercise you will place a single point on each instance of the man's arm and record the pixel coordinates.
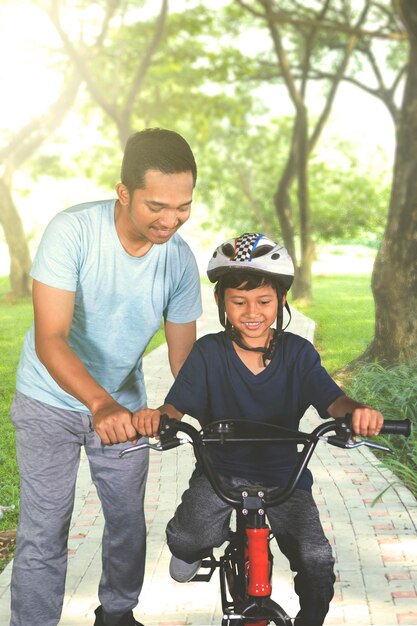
(180, 339)
(53, 313)
(366, 421)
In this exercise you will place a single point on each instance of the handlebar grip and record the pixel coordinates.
(397, 427)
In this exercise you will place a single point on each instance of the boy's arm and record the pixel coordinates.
(366, 421)
(146, 421)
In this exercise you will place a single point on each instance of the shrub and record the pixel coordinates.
(393, 390)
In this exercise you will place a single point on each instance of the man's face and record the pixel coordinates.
(157, 211)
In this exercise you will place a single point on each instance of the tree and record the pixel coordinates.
(312, 41)
(238, 167)
(25, 143)
(20, 148)
(101, 70)
(298, 47)
(394, 278)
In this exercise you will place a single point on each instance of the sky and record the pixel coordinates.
(28, 86)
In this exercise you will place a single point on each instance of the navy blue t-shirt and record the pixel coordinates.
(214, 384)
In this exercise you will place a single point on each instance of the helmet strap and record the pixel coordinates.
(222, 313)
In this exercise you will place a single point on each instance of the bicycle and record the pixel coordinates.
(246, 564)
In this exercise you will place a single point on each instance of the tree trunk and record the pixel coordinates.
(303, 277)
(394, 278)
(297, 168)
(20, 262)
(282, 203)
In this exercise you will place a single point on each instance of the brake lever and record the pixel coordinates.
(369, 444)
(350, 443)
(141, 446)
(159, 446)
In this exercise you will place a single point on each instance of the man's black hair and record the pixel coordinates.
(155, 149)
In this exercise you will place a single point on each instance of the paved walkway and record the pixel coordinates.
(375, 546)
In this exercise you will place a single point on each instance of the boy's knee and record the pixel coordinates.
(317, 559)
(182, 545)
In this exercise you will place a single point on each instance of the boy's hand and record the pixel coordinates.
(146, 422)
(366, 421)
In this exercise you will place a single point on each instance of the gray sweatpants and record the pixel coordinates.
(201, 522)
(48, 443)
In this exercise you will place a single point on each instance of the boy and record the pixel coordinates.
(251, 371)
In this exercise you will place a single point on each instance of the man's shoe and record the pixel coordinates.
(126, 620)
(181, 571)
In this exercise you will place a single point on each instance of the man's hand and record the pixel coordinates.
(146, 422)
(366, 421)
(113, 423)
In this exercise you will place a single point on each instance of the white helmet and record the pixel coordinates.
(252, 252)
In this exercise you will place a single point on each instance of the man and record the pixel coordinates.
(105, 275)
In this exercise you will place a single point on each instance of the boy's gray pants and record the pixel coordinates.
(201, 522)
(48, 444)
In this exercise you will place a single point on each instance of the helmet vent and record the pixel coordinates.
(228, 250)
(261, 251)
(275, 256)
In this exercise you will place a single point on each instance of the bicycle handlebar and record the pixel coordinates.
(227, 431)
(244, 432)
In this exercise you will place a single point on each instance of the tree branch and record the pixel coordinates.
(281, 55)
(146, 60)
(338, 77)
(286, 17)
(29, 138)
(78, 59)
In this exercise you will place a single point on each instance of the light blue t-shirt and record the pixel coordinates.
(120, 301)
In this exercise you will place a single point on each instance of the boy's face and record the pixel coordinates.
(252, 313)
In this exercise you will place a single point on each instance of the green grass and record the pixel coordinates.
(15, 319)
(343, 309)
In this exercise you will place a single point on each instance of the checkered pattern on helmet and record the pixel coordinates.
(244, 246)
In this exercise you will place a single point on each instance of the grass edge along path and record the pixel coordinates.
(343, 309)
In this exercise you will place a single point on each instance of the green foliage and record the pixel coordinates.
(393, 391)
(239, 174)
(50, 164)
(191, 85)
(346, 199)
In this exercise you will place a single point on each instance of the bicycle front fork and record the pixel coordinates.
(246, 572)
